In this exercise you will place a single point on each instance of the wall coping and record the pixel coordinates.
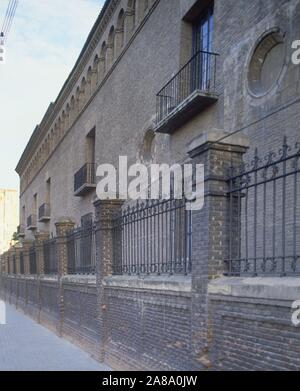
(161, 283)
(278, 288)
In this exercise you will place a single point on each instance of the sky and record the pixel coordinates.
(43, 45)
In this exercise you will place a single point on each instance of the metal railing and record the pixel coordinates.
(50, 257)
(86, 175)
(21, 230)
(198, 74)
(32, 260)
(22, 265)
(44, 211)
(81, 250)
(31, 221)
(153, 237)
(14, 268)
(264, 222)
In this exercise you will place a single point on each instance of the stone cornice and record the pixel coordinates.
(54, 108)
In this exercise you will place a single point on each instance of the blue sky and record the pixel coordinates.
(44, 42)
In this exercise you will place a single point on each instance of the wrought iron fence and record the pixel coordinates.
(32, 260)
(153, 237)
(22, 266)
(198, 74)
(81, 250)
(14, 268)
(50, 257)
(264, 220)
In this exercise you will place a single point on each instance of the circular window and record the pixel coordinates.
(266, 64)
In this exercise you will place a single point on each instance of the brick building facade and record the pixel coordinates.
(173, 81)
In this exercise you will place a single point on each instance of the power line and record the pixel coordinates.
(278, 110)
(9, 16)
(6, 16)
(12, 14)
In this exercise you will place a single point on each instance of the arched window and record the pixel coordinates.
(119, 36)
(68, 115)
(102, 61)
(130, 19)
(77, 100)
(72, 110)
(83, 93)
(89, 82)
(110, 52)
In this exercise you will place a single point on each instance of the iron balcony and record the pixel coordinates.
(85, 180)
(189, 92)
(21, 231)
(32, 222)
(44, 213)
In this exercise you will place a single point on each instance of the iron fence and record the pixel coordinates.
(264, 221)
(153, 237)
(14, 268)
(50, 256)
(81, 250)
(198, 74)
(22, 266)
(32, 260)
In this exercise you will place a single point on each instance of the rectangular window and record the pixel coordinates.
(48, 191)
(90, 147)
(202, 72)
(203, 31)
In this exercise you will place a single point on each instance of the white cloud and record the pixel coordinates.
(43, 45)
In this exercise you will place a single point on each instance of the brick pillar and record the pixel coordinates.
(62, 227)
(210, 242)
(26, 247)
(17, 254)
(40, 238)
(104, 211)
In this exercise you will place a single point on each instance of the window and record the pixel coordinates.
(203, 31)
(90, 147)
(48, 191)
(202, 44)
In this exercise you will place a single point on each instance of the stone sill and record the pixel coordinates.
(80, 279)
(162, 283)
(273, 288)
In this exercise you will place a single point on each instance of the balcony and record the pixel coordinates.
(44, 213)
(21, 231)
(188, 93)
(32, 223)
(85, 180)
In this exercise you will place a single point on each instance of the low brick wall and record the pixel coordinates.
(251, 326)
(67, 306)
(148, 323)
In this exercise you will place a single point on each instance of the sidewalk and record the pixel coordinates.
(28, 346)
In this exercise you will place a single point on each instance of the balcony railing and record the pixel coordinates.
(44, 213)
(190, 91)
(85, 179)
(31, 222)
(21, 231)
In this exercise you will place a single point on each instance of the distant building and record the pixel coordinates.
(9, 217)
